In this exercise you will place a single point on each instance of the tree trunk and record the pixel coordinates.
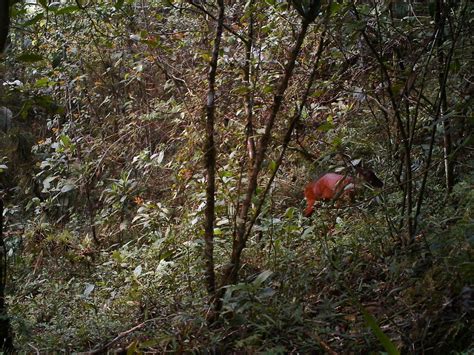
(6, 340)
(249, 95)
(210, 159)
(440, 20)
(4, 23)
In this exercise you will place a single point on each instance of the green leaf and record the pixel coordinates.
(308, 9)
(335, 7)
(355, 26)
(242, 90)
(33, 20)
(400, 9)
(326, 126)
(307, 232)
(149, 343)
(318, 93)
(272, 166)
(260, 279)
(44, 82)
(67, 10)
(29, 57)
(290, 212)
(336, 142)
(117, 256)
(398, 87)
(47, 183)
(267, 89)
(384, 340)
(68, 187)
(455, 65)
(65, 140)
(206, 57)
(119, 4)
(132, 348)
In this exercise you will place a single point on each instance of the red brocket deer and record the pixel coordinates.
(335, 186)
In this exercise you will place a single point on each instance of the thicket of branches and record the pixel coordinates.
(153, 156)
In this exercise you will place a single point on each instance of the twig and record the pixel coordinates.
(118, 337)
(34, 348)
(227, 27)
(324, 345)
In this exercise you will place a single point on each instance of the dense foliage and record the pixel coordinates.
(117, 114)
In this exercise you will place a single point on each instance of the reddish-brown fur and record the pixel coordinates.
(327, 187)
(332, 185)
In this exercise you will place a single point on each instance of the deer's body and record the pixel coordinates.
(336, 186)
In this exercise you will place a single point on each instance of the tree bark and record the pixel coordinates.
(440, 21)
(6, 339)
(210, 158)
(249, 95)
(4, 23)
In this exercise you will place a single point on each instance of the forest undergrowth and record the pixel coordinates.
(154, 156)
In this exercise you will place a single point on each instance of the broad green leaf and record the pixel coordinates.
(149, 343)
(336, 142)
(133, 348)
(326, 126)
(68, 187)
(384, 340)
(318, 93)
(242, 90)
(67, 10)
(335, 7)
(66, 140)
(262, 277)
(117, 256)
(307, 232)
(267, 89)
(47, 182)
(206, 57)
(44, 82)
(33, 20)
(272, 166)
(119, 4)
(29, 57)
(290, 212)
